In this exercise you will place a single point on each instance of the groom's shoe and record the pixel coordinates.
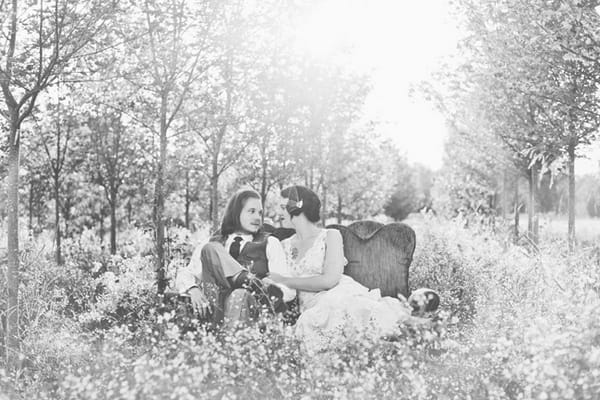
(424, 301)
(275, 298)
(268, 295)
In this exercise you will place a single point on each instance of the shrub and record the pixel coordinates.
(262, 361)
(528, 329)
(444, 261)
(127, 293)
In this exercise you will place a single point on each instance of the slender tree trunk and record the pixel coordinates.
(530, 205)
(263, 178)
(57, 254)
(532, 221)
(12, 273)
(517, 211)
(339, 209)
(101, 225)
(324, 207)
(571, 217)
(31, 186)
(187, 199)
(504, 195)
(160, 200)
(113, 219)
(214, 202)
(129, 211)
(66, 216)
(536, 212)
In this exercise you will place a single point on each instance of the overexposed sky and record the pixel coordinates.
(399, 44)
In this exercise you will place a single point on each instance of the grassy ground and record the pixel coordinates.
(556, 226)
(517, 323)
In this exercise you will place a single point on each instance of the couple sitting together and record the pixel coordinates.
(242, 268)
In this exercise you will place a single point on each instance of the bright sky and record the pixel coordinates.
(399, 43)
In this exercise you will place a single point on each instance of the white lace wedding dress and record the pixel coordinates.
(345, 312)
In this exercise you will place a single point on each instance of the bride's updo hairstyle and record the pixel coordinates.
(302, 200)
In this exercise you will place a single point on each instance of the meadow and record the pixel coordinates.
(515, 322)
(552, 226)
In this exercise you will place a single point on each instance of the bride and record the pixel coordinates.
(334, 308)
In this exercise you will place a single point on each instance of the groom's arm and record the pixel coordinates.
(278, 265)
(189, 276)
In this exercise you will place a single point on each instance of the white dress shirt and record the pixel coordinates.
(190, 275)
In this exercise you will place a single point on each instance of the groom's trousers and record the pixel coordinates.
(230, 306)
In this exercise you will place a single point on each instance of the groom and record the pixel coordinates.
(224, 276)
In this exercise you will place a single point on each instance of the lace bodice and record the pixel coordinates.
(310, 264)
(313, 260)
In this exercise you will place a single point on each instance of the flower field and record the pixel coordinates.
(515, 323)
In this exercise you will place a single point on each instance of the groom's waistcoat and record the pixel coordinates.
(253, 255)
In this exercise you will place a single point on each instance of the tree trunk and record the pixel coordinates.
(339, 209)
(214, 202)
(12, 273)
(532, 217)
(159, 200)
(571, 223)
(57, 234)
(101, 225)
(504, 195)
(66, 210)
(113, 219)
(324, 207)
(129, 211)
(31, 185)
(263, 178)
(187, 199)
(517, 212)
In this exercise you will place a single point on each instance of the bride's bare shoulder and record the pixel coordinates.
(289, 239)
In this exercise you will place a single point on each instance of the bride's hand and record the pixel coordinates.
(277, 278)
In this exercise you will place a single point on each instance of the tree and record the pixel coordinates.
(113, 146)
(223, 118)
(37, 181)
(469, 177)
(168, 43)
(531, 82)
(405, 197)
(55, 125)
(360, 171)
(37, 44)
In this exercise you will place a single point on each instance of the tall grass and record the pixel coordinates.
(518, 324)
(553, 227)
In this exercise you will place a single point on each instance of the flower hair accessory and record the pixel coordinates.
(294, 203)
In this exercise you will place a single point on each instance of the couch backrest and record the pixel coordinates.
(379, 256)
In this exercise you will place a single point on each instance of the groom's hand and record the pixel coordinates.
(199, 302)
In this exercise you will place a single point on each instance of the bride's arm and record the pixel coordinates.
(278, 265)
(332, 270)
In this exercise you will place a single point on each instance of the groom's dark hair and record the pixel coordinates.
(231, 219)
(309, 201)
